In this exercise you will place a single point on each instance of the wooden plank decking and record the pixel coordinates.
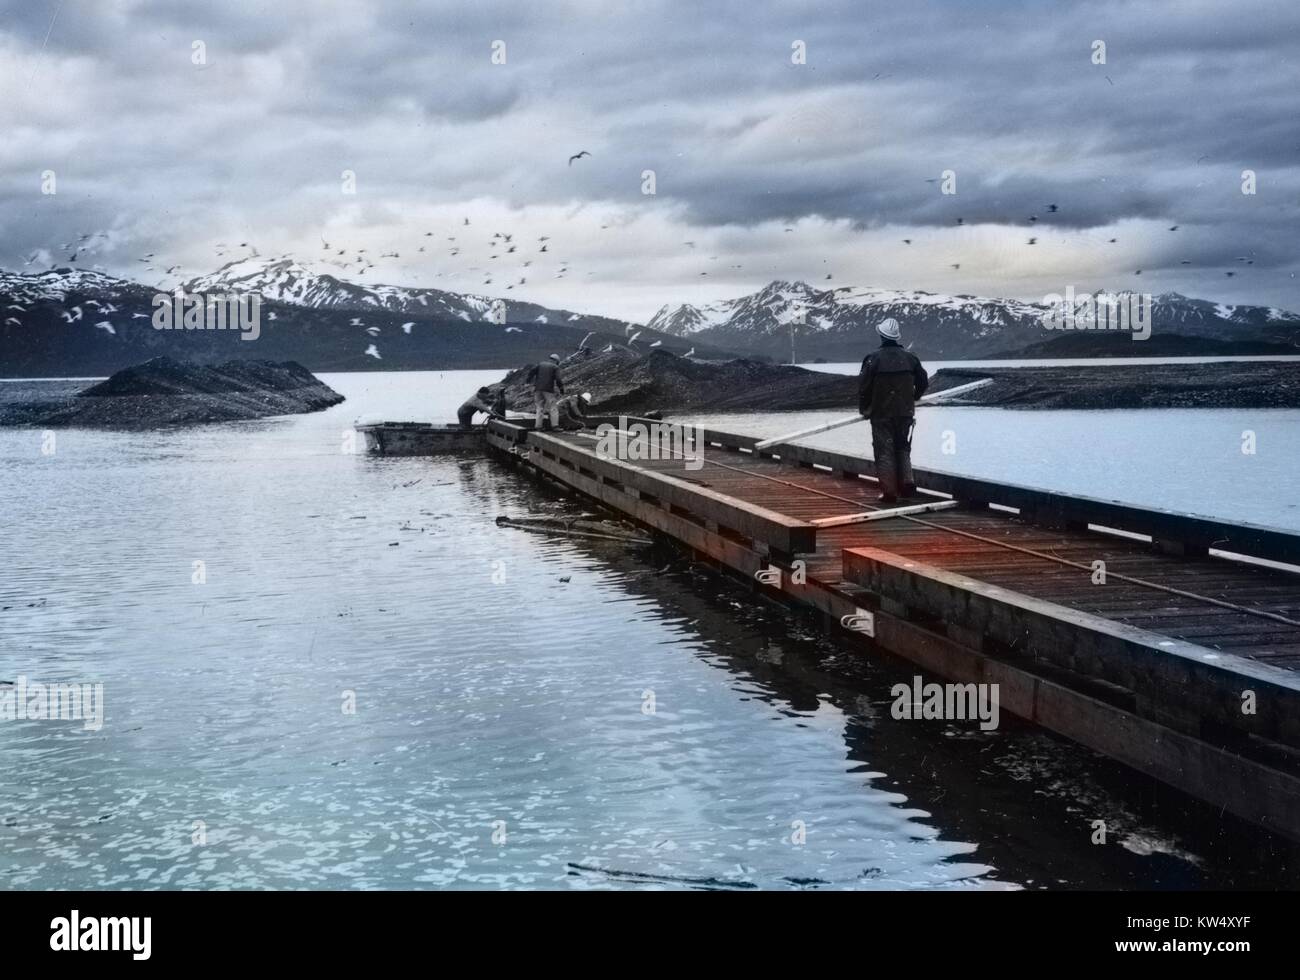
(1151, 663)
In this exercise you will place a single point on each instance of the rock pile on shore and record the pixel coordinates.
(624, 381)
(164, 391)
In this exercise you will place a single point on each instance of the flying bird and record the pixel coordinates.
(105, 325)
(578, 156)
(514, 330)
(1053, 208)
(373, 331)
(406, 327)
(656, 343)
(14, 320)
(373, 351)
(907, 241)
(1174, 228)
(1033, 241)
(355, 321)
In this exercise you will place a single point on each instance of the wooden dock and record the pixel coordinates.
(1168, 642)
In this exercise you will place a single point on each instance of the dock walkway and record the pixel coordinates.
(1167, 641)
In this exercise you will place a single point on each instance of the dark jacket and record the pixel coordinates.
(891, 381)
(546, 377)
(473, 405)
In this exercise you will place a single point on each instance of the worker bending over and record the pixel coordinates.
(482, 401)
(573, 410)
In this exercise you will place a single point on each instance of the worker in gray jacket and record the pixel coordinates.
(547, 387)
(891, 381)
(481, 401)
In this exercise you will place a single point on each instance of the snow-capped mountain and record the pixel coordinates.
(287, 280)
(73, 322)
(839, 323)
(56, 285)
(69, 321)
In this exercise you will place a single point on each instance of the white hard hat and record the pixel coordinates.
(586, 397)
(888, 328)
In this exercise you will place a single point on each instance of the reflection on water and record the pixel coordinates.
(529, 712)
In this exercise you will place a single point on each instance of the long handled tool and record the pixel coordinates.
(879, 515)
(850, 420)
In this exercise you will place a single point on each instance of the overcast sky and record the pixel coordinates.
(772, 169)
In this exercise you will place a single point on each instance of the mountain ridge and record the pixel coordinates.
(77, 321)
(832, 323)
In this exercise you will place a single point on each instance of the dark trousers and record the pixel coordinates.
(466, 417)
(890, 441)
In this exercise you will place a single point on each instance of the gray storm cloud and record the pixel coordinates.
(169, 156)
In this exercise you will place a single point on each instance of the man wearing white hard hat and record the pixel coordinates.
(573, 411)
(891, 381)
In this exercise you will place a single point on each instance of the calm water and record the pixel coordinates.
(502, 682)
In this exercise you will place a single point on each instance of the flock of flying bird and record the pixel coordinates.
(357, 262)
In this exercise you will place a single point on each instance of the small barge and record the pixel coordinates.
(422, 438)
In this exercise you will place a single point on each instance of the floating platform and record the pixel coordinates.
(1166, 641)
